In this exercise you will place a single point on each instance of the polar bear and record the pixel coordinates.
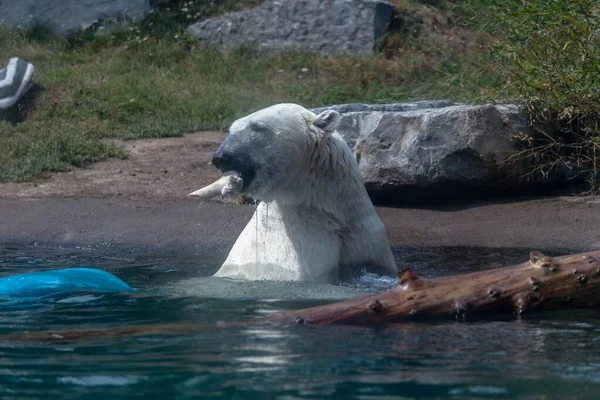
(315, 221)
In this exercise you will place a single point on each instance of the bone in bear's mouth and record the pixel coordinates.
(229, 184)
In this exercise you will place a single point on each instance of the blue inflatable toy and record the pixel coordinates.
(45, 283)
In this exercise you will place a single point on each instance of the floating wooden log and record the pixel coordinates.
(542, 283)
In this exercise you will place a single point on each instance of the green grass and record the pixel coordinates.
(150, 80)
(550, 56)
(50, 147)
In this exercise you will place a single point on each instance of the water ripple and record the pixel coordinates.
(551, 355)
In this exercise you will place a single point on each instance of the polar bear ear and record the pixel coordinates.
(328, 120)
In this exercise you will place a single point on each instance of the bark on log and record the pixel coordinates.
(542, 283)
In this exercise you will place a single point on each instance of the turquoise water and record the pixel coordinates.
(550, 356)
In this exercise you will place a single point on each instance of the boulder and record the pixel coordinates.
(391, 107)
(69, 15)
(324, 26)
(434, 150)
(349, 126)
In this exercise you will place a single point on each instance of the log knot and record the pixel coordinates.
(522, 305)
(535, 283)
(375, 306)
(460, 310)
(543, 262)
(408, 279)
(302, 321)
(525, 302)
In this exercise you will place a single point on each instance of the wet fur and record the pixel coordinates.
(315, 221)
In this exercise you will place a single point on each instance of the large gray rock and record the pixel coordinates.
(350, 125)
(361, 107)
(325, 26)
(432, 150)
(69, 15)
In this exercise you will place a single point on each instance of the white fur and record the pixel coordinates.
(316, 221)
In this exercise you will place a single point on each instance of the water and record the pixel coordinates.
(549, 356)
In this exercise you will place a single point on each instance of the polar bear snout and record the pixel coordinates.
(227, 158)
(222, 160)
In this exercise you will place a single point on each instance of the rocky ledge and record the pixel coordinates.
(438, 150)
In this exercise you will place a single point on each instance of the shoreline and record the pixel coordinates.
(186, 228)
(140, 204)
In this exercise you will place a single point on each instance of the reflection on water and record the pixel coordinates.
(442, 261)
(549, 356)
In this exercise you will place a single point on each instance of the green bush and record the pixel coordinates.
(548, 52)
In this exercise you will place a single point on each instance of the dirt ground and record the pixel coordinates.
(141, 202)
(165, 169)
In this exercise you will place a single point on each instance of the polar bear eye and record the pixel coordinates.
(258, 126)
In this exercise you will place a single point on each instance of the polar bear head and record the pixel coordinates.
(269, 147)
(315, 220)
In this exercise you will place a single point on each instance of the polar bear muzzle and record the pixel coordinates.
(231, 156)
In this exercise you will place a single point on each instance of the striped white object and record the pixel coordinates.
(15, 81)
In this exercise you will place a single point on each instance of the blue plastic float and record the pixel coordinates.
(45, 283)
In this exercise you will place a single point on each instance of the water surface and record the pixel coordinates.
(554, 355)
